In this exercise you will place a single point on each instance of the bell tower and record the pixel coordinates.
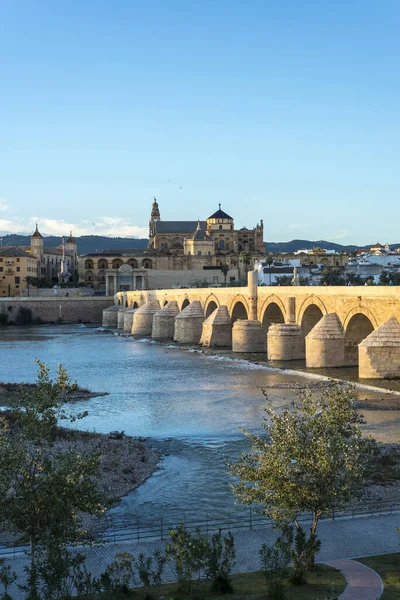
(155, 216)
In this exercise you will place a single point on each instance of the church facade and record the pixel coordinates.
(179, 254)
(218, 230)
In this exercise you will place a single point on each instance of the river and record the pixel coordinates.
(191, 405)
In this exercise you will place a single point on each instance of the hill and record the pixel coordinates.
(88, 244)
(307, 245)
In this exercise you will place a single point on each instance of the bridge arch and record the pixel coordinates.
(211, 304)
(185, 303)
(310, 312)
(272, 311)
(359, 323)
(135, 305)
(165, 302)
(239, 308)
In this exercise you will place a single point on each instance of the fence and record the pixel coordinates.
(136, 531)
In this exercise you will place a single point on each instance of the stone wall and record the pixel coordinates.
(175, 279)
(58, 310)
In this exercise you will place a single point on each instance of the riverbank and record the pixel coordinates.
(10, 392)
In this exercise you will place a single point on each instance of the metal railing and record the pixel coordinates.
(137, 531)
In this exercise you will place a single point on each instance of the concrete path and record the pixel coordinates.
(362, 582)
(344, 539)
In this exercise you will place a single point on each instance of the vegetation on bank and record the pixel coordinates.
(312, 460)
(388, 567)
(16, 392)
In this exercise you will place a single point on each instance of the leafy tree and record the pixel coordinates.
(224, 270)
(246, 258)
(284, 280)
(43, 492)
(331, 276)
(312, 459)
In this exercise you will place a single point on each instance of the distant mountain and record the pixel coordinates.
(308, 245)
(86, 243)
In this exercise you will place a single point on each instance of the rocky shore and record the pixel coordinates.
(13, 391)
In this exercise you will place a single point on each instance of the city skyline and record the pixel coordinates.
(284, 113)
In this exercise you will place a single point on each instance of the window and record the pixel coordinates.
(199, 253)
(220, 226)
(17, 279)
(18, 269)
(17, 259)
(1, 260)
(215, 279)
(1, 269)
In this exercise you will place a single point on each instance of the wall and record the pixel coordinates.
(54, 310)
(176, 279)
(61, 292)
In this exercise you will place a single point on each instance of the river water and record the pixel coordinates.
(191, 405)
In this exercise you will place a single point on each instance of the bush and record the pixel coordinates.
(24, 316)
(274, 560)
(3, 318)
(221, 560)
(189, 553)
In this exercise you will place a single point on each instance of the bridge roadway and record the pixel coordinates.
(361, 309)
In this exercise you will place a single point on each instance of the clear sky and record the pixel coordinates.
(283, 110)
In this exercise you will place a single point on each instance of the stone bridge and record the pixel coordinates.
(288, 316)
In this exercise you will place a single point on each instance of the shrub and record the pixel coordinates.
(221, 560)
(3, 318)
(24, 316)
(274, 560)
(121, 571)
(189, 552)
(150, 568)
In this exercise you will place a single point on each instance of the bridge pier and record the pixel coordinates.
(128, 319)
(164, 321)
(325, 343)
(189, 324)
(110, 316)
(248, 336)
(217, 329)
(379, 353)
(285, 342)
(143, 320)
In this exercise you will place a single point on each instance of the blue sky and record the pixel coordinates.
(286, 111)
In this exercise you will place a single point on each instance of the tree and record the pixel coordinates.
(246, 258)
(269, 261)
(332, 276)
(224, 270)
(313, 458)
(43, 492)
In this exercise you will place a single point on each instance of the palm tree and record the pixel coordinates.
(246, 258)
(224, 270)
(269, 261)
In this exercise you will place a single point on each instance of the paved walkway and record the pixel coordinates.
(345, 538)
(362, 582)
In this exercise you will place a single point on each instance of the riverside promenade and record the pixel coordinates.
(341, 539)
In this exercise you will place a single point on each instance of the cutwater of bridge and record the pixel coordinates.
(294, 312)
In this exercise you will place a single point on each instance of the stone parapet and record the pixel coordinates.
(129, 314)
(217, 329)
(164, 321)
(285, 342)
(379, 353)
(248, 336)
(325, 343)
(143, 321)
(189, 324)
(110, 316)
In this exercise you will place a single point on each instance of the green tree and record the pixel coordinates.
(332, 276)
(312, 459)
(43, 492)
(224, 270)
(269, 261)
(246, 258)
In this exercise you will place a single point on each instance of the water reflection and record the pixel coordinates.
(190, 404)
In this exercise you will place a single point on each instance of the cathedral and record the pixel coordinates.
(215, 235)
(179, 254)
